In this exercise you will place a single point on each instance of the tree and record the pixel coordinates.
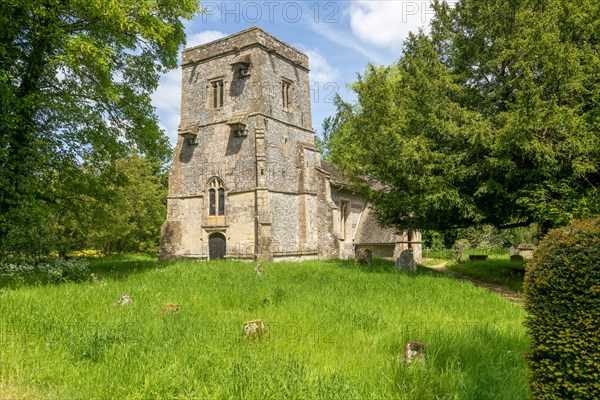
(75, 84)
(493, 118)
(131, 221)
(115, 207)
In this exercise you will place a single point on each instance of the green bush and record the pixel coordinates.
(562, 297)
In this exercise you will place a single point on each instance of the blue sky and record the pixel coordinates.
(340, 38)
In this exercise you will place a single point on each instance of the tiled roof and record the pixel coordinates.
(336, 177)
(370, 232)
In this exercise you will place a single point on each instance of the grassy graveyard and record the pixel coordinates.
(336, 330)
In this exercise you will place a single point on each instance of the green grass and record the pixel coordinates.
(430, 262)
(494, 270)
(337, 332)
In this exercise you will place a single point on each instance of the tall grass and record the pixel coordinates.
(336, 331)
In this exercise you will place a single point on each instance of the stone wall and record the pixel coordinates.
(410, 239)
(355, 207)
(268, 174)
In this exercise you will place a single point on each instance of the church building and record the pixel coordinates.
(247, 181)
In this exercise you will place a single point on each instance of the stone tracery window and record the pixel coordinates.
(216, 198)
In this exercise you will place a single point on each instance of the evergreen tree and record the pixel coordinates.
(493, 118)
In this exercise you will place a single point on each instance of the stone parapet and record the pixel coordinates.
(252, 37)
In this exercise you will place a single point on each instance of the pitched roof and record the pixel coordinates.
(370, 232)
(336, 177)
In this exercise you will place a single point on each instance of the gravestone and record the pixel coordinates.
(124, 300)
(364, 257)
(406, 261)
(255, 329)
(258, 270)
(459, 252)
(516, 257)
(525, 250)
(414, 352)
(169, 309)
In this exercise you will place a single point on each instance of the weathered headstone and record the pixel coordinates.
(169, 309)
(525, 250)
(459, 252)
(364, 257)
(255, 329)
(414, 352)
(124, 300)
(516, 257)
(258, 270)
(406, 261)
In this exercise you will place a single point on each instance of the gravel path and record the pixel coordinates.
(501, 290)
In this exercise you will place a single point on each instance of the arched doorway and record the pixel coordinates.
(216, 246)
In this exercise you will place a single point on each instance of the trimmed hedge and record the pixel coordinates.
(562, 297)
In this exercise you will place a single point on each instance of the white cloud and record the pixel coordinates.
(170, 125)
(344, 39)
(386, 24)
(167, 100)
(320, 69)
(203, 37)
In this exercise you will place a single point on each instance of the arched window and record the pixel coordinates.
(216, 198)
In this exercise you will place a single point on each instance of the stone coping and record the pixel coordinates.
(243, 40)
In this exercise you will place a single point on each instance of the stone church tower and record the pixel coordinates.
(247, 181)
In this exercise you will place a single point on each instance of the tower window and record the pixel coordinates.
(216, 198)
(286, 91)
(217, 93)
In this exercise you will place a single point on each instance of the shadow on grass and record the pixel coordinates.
(122, 266)
(501, 272)
(119, 267)
(18, 273)
(382, 266)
